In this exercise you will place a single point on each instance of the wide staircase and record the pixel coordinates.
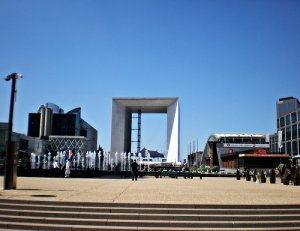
(55, 215)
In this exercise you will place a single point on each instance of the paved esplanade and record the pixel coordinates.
(151, 190)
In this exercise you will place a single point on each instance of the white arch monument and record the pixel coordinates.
(122, 109)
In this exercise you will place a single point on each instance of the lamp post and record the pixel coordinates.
(10, 162)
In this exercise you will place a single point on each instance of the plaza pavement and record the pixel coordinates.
(152, 190)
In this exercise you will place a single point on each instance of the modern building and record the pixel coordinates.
(287, 138)
(62, 130)
(240, 151)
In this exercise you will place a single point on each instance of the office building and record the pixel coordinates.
(62, 130)
(287, 138)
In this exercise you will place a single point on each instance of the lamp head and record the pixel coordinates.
(13, 76)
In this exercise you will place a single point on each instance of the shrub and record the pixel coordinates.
(254, 175)
(248, 176)
(286, 177)
(263, 178)
(297, 176)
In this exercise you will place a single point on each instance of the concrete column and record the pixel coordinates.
(173, 138)
(118, 123)
(42, 122)
(48, 122)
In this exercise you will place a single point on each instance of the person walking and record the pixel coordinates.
(134, 170)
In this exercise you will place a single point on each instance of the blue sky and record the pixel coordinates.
(227, 61)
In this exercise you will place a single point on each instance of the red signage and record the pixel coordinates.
(260, 151)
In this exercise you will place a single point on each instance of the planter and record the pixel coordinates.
(286, 182)
(272, 180)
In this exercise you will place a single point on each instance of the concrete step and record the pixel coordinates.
(34, 226)
(148, 216)
(149, 223)
(55, 215)
(145, 205)
(231, 211)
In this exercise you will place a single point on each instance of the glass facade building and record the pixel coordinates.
(51, 121)
(288, 124)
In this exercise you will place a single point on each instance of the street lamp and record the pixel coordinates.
(10, 171)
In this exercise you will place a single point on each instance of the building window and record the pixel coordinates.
(294, 117)
(282, 121)
(288, 148)
(288, 133)
(287, 119)
(298, 116)
(294, 131)
(295, 148)
(283, 134)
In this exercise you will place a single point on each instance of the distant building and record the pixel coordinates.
(63, 130)
(25, 144)
(240, 151)
(194, 159)
(155, 155)
(287, 138)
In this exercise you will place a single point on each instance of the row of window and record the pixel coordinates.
(291, 132)
(288, 119)
(243, 140)
(291, 147)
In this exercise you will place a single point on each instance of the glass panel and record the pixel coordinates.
(295, 148)
(283, 148)
(294, 131)
(283, 134)
(294, 117)
(288, 133)
(287, 119)
(288, 148)
(282, 122)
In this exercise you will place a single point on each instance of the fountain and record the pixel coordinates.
(49, 160)
(128, 161)
(140, 160)
(32, 160)
(78, 159)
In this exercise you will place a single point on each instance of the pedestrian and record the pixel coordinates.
(134, 170)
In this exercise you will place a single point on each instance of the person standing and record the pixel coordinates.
(134, 170)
